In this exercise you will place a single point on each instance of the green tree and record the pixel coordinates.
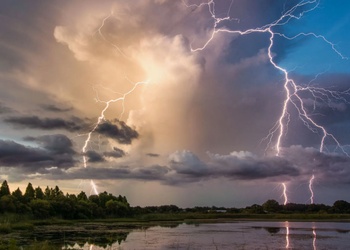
(56, 192)
(95, 199)
(82, 196)
(254, 209)
(40, 208)
(271, 206)
(29, 193)
(48, 193)
(39, 194)
(7, 204)
(64, 207)
(104, 198)
(72, 197)
(18, 194)
(117, 208)
(4, 189)
(341, 206)
(84, 209)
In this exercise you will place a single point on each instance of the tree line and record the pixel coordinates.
(52, 202)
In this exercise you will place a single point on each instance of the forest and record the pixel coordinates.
(53, 203)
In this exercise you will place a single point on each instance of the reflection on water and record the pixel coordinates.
(272, 230)
(314, 238)
(232, 235)
(287, 234)
(77, 236)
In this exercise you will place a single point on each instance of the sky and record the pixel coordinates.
(185, 102)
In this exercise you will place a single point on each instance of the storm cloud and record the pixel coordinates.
(93, 156)
(118, 131)
(185, 167)
(35, 122)
(54, 108)
(53, 151)
(15, 154)
(192, 100)
(116, 153)
(4, 109)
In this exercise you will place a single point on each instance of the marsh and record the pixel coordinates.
(222, 235)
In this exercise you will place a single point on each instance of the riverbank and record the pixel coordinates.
(13, 222)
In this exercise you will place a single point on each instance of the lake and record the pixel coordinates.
(229, 235)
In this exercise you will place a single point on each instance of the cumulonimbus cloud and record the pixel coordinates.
(53, 151)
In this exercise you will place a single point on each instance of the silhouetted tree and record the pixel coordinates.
(117, 208)
(18, 194)
(48, 193)
(7, 204)
(82, 196)
(341, 206)
(39, 194)
(29, 193)
(4, 189)
(271, 206)
(254, 209)
(56, 192)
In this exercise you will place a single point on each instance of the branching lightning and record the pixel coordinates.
(101, 118)
(293, 91)
(107, 104)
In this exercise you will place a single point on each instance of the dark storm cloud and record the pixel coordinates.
(54, 108)
(152, 155)
(151, 173)
(251, 168)
(59, 147)
(57, 143)
(54, 151)
(295, 164)
(239, 166)
(93, 156)
(116, 153)
(329, 168)
(15, 154)
(19, 28)
(35, 122)
(187, 163)
(118, 131)
(4, 109)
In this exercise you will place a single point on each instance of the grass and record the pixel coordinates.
(11, 222)
(12, 245)
(5, 228)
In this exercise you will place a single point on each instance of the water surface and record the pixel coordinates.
(236, 235)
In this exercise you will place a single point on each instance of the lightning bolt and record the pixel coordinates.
(285, 193)
(311, 189)
(99, 30)
(293, 90)
(102, 118)
(107, 104)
